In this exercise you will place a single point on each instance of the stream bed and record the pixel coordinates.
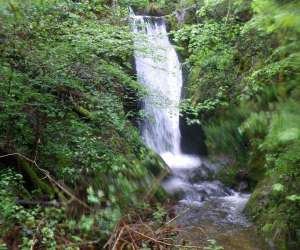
(220, 219)
(208, 210)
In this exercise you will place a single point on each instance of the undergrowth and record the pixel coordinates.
(243, 88)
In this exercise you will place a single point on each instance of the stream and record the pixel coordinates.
(207, 209)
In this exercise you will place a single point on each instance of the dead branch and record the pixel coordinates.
(118, 238)
(162, 242)
(176, 217)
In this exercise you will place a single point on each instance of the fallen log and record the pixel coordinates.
(29, 203)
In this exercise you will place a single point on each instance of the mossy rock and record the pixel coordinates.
(172, 22)
(259, 198)
(158, 171)
(154, 9)
(155, 164)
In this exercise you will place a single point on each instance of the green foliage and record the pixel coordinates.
(66, 86)
(213, 245)
(255, 126)
(278, 187)
(243, 88)
(293, 197)
(211, 50)
(226, 132)
(33, 221)
(159, 214)
(281, 146)
(9, 183)
(155, 7)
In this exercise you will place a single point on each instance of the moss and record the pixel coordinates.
(239, 171)
(154, 10)
(256, 167)
(155, 164)
(228, 175)
(34, 177)
(159, 170)
(83, 112)
(172, 22)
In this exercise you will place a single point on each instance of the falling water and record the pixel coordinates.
(159, 70)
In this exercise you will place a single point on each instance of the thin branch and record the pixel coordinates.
(133, 242)
(118, 238)
(176, 217)
(78, 244)
(228, 11)
(162, 242)
(47, 174)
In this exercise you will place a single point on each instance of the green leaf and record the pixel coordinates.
(278, 187)
(293, 197)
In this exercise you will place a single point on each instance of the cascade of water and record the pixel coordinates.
(159, 70)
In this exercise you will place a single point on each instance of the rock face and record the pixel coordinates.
(153, 10)
(192, 138)
(155, 164)
(195, 184)
(132, 105)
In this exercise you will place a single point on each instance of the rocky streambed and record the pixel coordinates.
(208, 210)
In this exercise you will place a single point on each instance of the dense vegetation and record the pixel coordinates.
(72, 161)
(67, 96)
(243, 87)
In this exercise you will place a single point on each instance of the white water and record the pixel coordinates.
(159, 70)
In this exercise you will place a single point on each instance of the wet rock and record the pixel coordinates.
(213, 188)
(175, 187)
(200, 174)
(192, 137)
(243, 186)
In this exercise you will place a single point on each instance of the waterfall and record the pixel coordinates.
(159, 70)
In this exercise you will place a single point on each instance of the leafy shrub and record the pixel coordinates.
(66, 82)
(246, 97)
